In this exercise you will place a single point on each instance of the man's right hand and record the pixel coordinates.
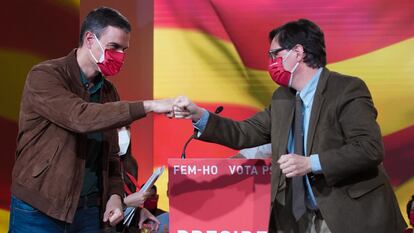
(159, 106)
(185, 109)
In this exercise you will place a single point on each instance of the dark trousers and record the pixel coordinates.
(26, 219)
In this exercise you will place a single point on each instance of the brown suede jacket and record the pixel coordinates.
(55, 117)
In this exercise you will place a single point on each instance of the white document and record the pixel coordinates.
(129, 212)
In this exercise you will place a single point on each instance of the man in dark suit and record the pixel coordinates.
(327, 151)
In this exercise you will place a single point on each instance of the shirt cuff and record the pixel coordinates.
(315, 164)
(200, 125)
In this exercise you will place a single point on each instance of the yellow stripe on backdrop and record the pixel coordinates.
(162, 188)
(404, 193)
(15, 66)
(201, 67)
(389, 74)
(4, 221)
(67, 3)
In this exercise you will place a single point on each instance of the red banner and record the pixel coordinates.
(219, 195)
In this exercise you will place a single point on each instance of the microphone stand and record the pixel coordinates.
(218, 110)
(186, 144)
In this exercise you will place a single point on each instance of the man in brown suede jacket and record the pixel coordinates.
(327, 151)
(67, 173)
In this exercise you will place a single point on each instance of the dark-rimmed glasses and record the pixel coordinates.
(274, 52)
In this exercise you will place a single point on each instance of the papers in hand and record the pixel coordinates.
(129, 212)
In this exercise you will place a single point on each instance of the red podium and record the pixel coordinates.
(219, 195)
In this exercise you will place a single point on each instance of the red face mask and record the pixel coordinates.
(110, 62)
(278, 73)
(412, 218)
(151, 204)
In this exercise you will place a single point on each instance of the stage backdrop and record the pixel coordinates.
(214, 51)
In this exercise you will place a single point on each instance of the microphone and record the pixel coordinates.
(218, 110)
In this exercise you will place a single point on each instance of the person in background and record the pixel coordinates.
(150, 215)
(132, 198)
(151, 204)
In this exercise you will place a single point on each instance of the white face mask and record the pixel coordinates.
(124, 138)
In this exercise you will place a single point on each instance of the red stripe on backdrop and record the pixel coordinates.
(171, 134)
(399, 155)
(32, 27)
(352, 27)
(8, 149)
(188, 14)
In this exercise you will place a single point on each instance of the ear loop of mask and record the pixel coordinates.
(102, 58)
(291, 74)
(293, 70)
(286, 56)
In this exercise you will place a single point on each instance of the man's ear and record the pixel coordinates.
(88, 39)
(300, 51)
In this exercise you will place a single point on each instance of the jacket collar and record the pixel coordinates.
(73, 68)
(318, 101)
(75, 71)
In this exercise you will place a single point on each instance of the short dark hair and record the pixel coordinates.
(155, 188)
(409, 203)
(305, 33)
(100, 18)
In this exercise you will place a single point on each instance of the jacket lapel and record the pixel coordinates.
(283, 108)
(318, 101)
(287, 119)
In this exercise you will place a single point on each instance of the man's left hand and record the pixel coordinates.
(294, 165)
(136, 199)
(113, 212)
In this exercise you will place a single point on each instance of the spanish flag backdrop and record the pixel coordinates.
(215, 52)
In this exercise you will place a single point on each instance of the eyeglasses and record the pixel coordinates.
(274, 52)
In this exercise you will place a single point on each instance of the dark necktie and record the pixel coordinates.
(298, 189)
